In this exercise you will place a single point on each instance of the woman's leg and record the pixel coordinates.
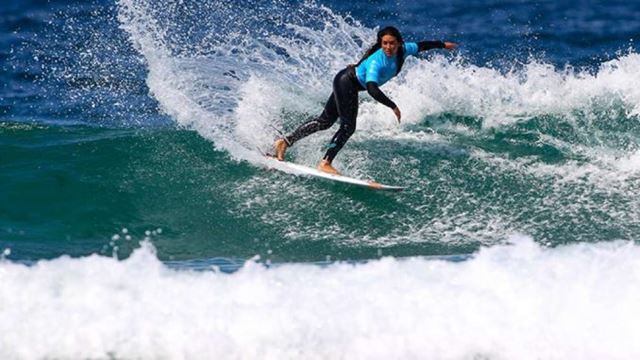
(324, 121)
(346, 99)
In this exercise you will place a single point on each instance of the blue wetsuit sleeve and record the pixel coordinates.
(428, 45)
(376, 93)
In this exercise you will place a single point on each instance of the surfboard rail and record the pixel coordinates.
(298, 169)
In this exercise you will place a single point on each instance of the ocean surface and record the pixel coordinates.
(138, 219)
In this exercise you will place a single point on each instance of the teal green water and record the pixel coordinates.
(69, 190)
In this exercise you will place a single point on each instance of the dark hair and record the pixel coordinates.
(389, 30)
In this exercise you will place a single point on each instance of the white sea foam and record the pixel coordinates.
(500, 98)
(516, 301)
(242, 84)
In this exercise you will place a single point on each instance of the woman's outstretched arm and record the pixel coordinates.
(428, 45)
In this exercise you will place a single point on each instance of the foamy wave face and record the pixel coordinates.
(231, 71)
(209, 63)
(222, 68)
(501, 98)
(514, 301)
(236, 75)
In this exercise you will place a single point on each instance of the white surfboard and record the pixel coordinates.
(309, 171)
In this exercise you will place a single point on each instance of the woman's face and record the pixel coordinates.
(390, 45)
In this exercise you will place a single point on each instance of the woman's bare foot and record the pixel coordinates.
(325, 166)
(281, 148)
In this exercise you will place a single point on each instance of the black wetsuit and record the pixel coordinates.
(343, 104)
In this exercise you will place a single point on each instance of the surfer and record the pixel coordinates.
(381, 62)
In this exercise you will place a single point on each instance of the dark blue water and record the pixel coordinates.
(559, 32)
(65, 61)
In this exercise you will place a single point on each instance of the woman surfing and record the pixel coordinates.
(380, 63)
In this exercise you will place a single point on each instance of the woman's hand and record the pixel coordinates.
(396, 110)
(450, 45)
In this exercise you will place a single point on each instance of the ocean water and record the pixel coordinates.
(139, 221)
